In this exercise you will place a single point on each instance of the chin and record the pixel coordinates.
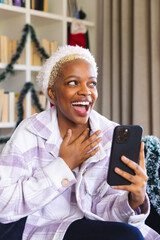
(81, 121)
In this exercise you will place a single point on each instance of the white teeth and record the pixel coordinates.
(80, 103)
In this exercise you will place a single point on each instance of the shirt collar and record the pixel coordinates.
(45, 125)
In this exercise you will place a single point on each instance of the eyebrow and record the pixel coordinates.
(74, 76)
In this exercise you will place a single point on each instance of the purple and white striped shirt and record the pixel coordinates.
(35, 182)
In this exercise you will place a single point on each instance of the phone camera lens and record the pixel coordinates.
(120, 132)
(126, 134)
(119, 139)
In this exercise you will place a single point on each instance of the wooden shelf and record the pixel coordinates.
(7, 125)
(17, 67)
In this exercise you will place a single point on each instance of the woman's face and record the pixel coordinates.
(74, 92)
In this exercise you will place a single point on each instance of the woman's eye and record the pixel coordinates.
(93, 84)
(72, 83)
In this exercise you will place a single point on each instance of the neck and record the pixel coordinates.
(76, 129)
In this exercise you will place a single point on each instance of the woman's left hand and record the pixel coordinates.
(137, 188)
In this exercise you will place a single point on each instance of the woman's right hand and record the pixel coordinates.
(76, 152)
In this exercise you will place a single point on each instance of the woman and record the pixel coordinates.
(54, 168)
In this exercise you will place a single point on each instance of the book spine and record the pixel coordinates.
(5, 107)
(10, 2)
(45, 7)
(39, 4)
(17, 3)
(1, 102)
(11, 107)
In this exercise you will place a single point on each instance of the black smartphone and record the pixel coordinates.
(126, 141)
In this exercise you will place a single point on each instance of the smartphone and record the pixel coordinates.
(126, 141)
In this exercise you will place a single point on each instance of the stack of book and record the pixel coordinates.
(41, 5)
(50, 48)
(7, 49)
(8, 105)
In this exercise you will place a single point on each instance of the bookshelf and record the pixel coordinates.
(51, 25)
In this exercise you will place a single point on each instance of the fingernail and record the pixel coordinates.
(69, 131)
(124, 158)
(117, 169)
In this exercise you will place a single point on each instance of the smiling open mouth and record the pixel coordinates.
(81, 108)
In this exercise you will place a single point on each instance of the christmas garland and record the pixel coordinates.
(27, 86)
(20, 110)
(27, 28)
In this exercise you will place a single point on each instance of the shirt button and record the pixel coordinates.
(79, 199)
(65, 182)
(84, 171)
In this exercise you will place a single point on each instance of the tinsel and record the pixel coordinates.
(25, 31)
(27, 86)
(152, 156)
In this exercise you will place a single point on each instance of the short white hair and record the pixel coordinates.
(44, 74)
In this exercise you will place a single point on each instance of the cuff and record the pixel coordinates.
(59, 174)
(140, 215)
(125, 210)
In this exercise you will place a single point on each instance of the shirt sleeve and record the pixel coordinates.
(114, 206)
(23, 191)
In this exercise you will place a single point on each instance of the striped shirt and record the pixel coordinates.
(35, 182)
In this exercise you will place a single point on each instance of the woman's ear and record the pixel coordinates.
(51, 93)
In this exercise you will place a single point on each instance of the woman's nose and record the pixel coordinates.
(84, 90)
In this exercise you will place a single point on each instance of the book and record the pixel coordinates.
(11, 107)
(0, 48)
(23, 3)
(19, 61)
(43, 100)
(45, 6)
(16, 96)
(10, 2)
(2, 51)
(24, 106)
(17, 3)
(38, 4)
(53, 47)
(1, 102)
(5, 107)
(5, 46)
(46, 45)
(35, 57)
(9, 50)
(14, 44)
(32, 4)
